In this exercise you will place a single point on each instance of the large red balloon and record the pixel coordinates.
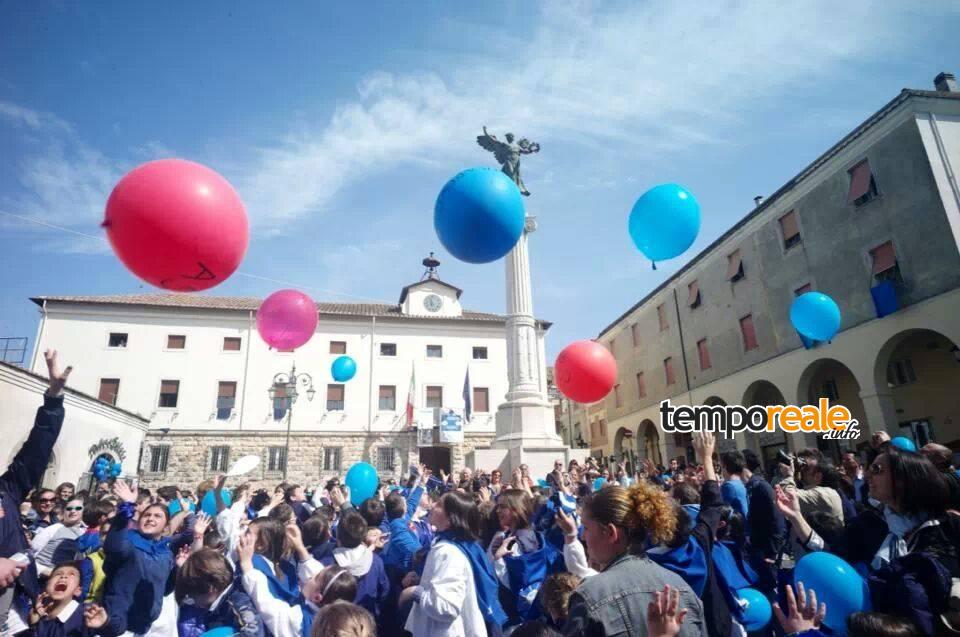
(585, 371)
(177, 225)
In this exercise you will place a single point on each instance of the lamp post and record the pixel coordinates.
(290, 382)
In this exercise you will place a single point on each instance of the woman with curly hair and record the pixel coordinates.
(618, 525)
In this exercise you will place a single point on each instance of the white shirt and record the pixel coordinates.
(575, 559)
(447, 597)
(280, 618)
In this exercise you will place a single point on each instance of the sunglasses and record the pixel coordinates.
(73, 509)
(47, 500)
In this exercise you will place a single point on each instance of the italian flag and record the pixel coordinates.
(410, 395)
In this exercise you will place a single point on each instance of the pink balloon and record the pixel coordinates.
(287, 319)
(585, 371)
(177, 225)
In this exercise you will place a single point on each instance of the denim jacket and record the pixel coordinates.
(614, 602)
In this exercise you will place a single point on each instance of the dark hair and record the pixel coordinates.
(830, 475)
(271, 537)
(534, 629)
(259, 499)
(40, 493)
(520, 502)
(732, 461)
(316, 530)
(751, 460)
(94, 511)
(343, 618)
(168, 493)
(395, 504)
(162, 507)
(352, 530)
(463, 514)
(337, 584)
(810, 453)
(282, 513)
(918, 486)
(372, 511)
(685, 493)
(204, 570)
(290, 491)
(65, 484)
(144, 496)
(875, 624)
(75, 565)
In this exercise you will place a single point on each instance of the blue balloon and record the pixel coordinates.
(222, 631)
(664, 222)
(209, 503)
(837, 584)
(599, 483)
(815, 315)
(755, 610)
(343, 369)
(479, 215)
(362, 480)
(904, 444)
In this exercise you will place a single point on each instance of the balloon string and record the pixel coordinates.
(654, 263)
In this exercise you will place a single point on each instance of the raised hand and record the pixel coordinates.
(802, 612)
(704, 443)
(124, 491)
(484, 494)
(245, 550)
(200, 524)
(221, 480)
(9, 571)
(787, 502)
(182, 555)
(57, 378)
(410, 579)
(664, 615)
(95, 616)
(566, 524)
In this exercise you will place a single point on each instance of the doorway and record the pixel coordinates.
(436, 459)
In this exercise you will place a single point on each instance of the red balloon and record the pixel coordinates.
(177, 225)
(585, 371)
(287, 319)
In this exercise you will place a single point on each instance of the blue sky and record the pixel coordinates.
(338, 125)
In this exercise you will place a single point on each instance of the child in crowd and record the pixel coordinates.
(57, 611)
(208, 598)
(343, 619)
(556, 596)
(355, 556)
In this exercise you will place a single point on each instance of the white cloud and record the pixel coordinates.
(35, 120)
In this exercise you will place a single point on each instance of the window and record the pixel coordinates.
(635, 334)
(176, 341)
(386, 459)
(900, 373)
(481, 400)
(434, 396)
(231, 343)
(885, 264)
(388, 397)
(226, 399)
(388, 349)
(662, 317)
(479, 353)
(704, 353)
(219, 457)
(830, 390)
(434, 351)
(338, 347)
(668, 370)
(109, 388)
(117, 339)
(693, 294)
(159, 455)
(748, 333)
(276, 458)
(603, 428)
(863, 187)
(612, 347)
(280, 401)
(641, 386)
(335, 397)
(791, 229)
(331, 458)
(169, 391)
(734, 267)
(803, 289)
(617, 400)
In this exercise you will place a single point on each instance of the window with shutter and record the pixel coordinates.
(863, 186)
(479, 353)
(231, 343)
(109, 388)
(280, 401)
(388, 397)
(704, 354)
(693, 294)
(434, 396)
(335, 397)
(276, 458)
(748, 333)
(734, 267)
(886, 267)
(481, 400)
(226, 399)
(635, 334)
(169, 393)
(668, 370)
(159, 455)
(662, 317)
(331, 458)
(641, 386)
(790, 228)
(219, 458)
(176, 341)
(338, 347)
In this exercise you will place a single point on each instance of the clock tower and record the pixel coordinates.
(431, 297)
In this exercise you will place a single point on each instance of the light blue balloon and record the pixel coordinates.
(362, 480)
(755, 610)
(903, 443)
(209, 504)
(599, 483)
(343, 369)
(837, 584)
(479, 215)
(664, 222)
(816, 316)
(222, 631)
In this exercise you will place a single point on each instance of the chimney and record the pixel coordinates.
(757, 200)
(946, 83)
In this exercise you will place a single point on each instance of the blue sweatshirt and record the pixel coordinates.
(734, 493)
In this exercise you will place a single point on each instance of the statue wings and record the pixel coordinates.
(491, 143)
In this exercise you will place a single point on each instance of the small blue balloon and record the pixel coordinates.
(903, 443)
(222, 631)
(598, 483)
(362, 480)
(543, 484)
(209, 504)
(479, 215)
(664, 222)
(343, 369)
(174, 507)
(755, 610)
(815, 315)
(837, 584)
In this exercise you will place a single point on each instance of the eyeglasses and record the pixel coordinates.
(47, 500)
(73, 509)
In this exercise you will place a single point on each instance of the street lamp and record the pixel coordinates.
(290, 382)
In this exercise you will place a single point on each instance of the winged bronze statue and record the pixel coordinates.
(508, 154)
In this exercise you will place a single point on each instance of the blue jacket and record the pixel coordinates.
(734, 493)
(372, 587)
(53, 627)
(527, 572)
(24, 473)
(399, 552)
(235, 610)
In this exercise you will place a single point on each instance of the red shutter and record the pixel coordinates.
(481, 399)
(641, 386)
(704, 354)
(788, 223)
(859, 181)
(227, 390)
(749, 334)
(662, 317)
(335, 392)
(694, 293)
(884, 257)
(733, 264)
(668, 370)
(231, 344)
(109, 387)
(338, 347)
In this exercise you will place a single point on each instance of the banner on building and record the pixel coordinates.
(424, 418)
(451, 426)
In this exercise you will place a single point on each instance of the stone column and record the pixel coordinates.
(522, 350)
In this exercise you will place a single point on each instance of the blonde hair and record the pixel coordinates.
(343, 619)
(644, 510)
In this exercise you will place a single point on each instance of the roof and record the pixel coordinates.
(871, 121)
(403, 293)
(251, 303)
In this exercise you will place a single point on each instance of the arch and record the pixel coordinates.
(831, 379)
(921, 370)
(767, 444)
(648, 439)
(714, 400)
(623, 434)
(724, 443)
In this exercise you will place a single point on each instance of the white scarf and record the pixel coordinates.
(894, 545)
(357, 560)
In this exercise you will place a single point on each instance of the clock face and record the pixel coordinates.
(432, 303)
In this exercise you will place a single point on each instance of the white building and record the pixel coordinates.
(195, 366)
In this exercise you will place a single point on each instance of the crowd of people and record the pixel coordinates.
(588, 549)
